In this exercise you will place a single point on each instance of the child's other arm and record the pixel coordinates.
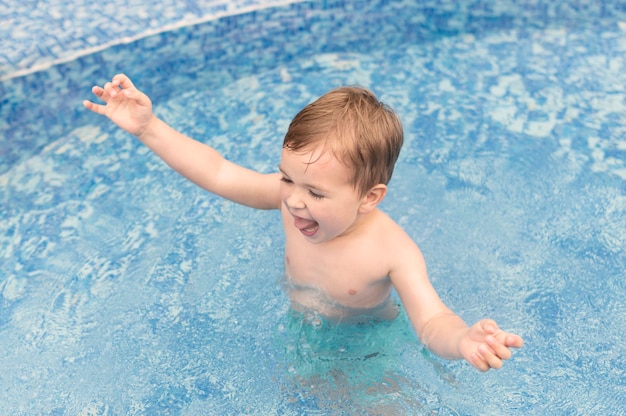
(483, 345)
(131, 110)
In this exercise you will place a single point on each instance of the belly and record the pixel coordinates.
(311, 299)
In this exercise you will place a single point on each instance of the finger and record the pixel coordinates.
(100, 93)
(123, 81)
(97, 91)
(96, 108)
(111, 90)
(513, 341)
(509, 340)
(478, 362)
(489, 326)
(492, 360)
(501, 350)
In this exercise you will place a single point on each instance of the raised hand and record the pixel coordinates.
(125, 105)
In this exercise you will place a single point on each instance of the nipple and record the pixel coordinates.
(352, 292)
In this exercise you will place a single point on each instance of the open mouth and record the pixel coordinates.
(306, 227)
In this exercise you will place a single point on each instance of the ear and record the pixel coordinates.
(372, 198)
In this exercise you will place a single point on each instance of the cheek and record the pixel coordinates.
(330, 215)
(284, 191)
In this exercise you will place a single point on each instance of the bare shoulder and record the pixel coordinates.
(402, 253)
(392, 234)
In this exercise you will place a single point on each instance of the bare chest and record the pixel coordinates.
(350, 274)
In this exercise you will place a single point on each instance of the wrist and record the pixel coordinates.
(148, 129)
(445, 335)
(462, 340)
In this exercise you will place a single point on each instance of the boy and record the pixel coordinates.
(342, 254)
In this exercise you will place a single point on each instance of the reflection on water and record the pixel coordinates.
(125, 290)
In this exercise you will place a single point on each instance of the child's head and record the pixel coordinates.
(350, 123)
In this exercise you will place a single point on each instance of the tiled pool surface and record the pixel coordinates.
(35, 35)
(29, 98)
(557, 85)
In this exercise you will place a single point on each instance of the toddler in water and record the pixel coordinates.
(343, 255)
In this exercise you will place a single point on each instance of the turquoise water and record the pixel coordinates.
(126, 290)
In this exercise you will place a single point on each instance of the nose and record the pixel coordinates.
(294, 200)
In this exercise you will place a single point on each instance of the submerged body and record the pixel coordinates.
(343, 256)
(311, 299)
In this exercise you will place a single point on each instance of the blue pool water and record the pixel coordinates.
(125, 290)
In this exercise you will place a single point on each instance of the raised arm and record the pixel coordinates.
(131, 110)
(483, 345)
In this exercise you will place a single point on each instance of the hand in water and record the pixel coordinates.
(486, 346)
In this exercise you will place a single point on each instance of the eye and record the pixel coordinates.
(286, 180)
(316, 196)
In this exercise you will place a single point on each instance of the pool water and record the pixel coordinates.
(127, 290)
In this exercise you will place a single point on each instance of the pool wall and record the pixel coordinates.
(63, 46)
(34, 38)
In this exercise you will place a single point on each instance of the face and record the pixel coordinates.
(319, 196)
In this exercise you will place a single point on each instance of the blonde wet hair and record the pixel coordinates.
(360, 131)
